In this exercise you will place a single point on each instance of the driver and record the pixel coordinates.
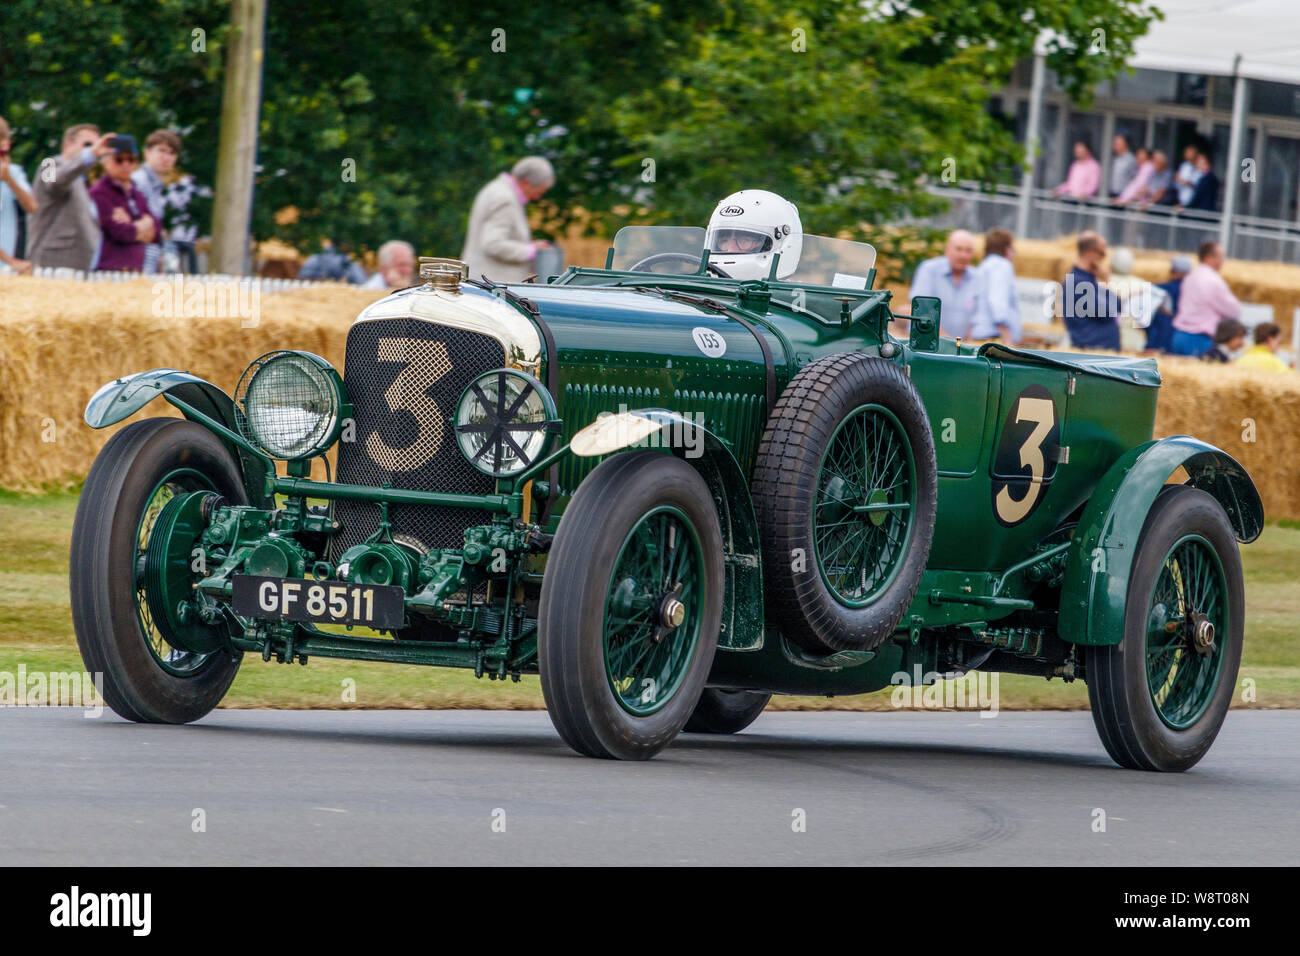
(749, 228)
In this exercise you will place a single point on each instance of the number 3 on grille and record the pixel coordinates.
(424, 363)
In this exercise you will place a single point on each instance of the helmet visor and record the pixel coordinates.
(739, 242)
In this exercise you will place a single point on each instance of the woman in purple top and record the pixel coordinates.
(124, 216)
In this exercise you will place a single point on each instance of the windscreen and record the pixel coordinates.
(834, 262)
(671, 250)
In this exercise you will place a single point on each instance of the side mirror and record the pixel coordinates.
(924, 336)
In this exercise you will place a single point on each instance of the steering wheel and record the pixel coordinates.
(662, 257)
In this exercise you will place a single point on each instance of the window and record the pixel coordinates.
(1274, 99)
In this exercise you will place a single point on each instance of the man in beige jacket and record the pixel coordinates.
(63, 231)
(499, 243)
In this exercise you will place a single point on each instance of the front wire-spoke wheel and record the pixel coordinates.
(180, 663)
(138, 475)
(631, 606)
(652, 615)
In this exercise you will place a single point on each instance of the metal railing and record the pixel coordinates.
(1155, 227)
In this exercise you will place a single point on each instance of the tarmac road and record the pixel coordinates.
(424, 787)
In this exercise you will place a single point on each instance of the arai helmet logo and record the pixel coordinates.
(709, 342)
(731, 211)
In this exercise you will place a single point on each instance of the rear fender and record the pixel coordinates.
(123, 397)
(742, 608)
(1095, 592)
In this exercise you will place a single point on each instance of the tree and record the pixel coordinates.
(851, 108)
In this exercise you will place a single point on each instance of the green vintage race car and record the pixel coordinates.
(670, 494)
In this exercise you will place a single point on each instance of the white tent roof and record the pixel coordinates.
(1207, 36)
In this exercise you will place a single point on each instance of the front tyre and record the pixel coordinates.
(630, 607)
(141, 469)
(1159, 696)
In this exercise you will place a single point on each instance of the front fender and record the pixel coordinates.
(123, 397)
(1095, 593)
(742, 610)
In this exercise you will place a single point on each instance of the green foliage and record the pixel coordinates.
(847, 107)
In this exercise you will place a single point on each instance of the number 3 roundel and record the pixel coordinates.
(1025, 461)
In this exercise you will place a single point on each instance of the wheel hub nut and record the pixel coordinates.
(1202, 633)
(673, 612)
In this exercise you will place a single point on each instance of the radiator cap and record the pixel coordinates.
(444, 274)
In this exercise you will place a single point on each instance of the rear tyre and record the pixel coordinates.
(726, 711)
(1160, 696)
(142, 467)
(630, 607)
(845, 487)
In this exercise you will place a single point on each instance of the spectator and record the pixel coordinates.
(998, 314)
(161, 150)
(1091, 310)
(951, 280)
(1139, 299)
(332, 263)
(1161, 330)
(63, 231)
(1229, 337)
(498, 243)
(396, 266)
(1188, 174)
(1204, 301)
(123, 212)
(1084, 177)
(1123, 165)
(1206, 191)
(178, 219)
(1263, 355)
(1136, 190)
(1160, 187)
(16, 202)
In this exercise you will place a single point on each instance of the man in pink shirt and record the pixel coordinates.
(1084, 177)
(1204, 301)
(1136, 190)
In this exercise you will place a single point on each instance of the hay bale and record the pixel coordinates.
(60, 340)
(1249, 415)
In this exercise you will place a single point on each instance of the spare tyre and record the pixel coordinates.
(845, 489)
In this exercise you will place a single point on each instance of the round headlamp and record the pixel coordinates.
(290, 404)
(504, 422)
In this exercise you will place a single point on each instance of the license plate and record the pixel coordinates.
(318, 602)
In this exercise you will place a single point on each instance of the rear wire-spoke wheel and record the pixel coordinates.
(142, 469)
(1160, 695)
(1188, 612)
(631, 606)
(866, 505)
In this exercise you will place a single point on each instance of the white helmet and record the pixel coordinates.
(748, 228)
